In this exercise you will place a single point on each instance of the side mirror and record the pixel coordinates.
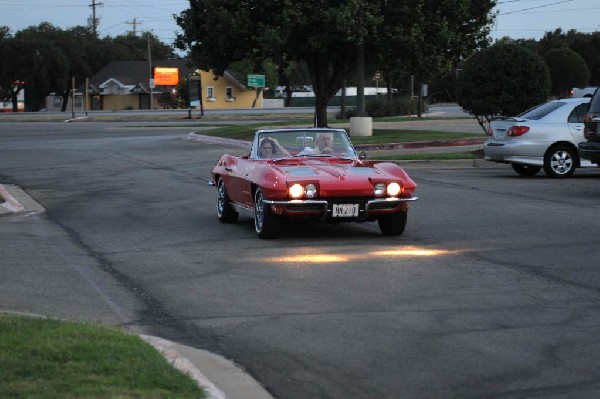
(245, 156)
(362, 155)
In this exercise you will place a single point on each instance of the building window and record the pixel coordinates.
(229, 94)
(210, 94)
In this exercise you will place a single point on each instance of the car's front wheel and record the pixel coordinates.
(525, 170)
(225, 211)
(560, 161)
(392, 224)
(266, 223)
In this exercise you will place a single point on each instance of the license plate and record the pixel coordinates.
(345, 210)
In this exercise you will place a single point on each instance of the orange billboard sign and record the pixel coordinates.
(166, 76)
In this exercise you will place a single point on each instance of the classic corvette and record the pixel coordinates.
(310, 173)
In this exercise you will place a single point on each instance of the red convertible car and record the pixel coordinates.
(310, 173)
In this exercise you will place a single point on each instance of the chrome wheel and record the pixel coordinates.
(266, 223)
(225, 212)
(560, 161)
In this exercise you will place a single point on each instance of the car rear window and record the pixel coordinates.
(541, 110)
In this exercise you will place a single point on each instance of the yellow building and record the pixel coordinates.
(226, 92)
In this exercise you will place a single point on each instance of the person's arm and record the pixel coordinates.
(281, 149)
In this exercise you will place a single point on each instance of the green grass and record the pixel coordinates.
(380, 136)
(41, 358)
(440, 156)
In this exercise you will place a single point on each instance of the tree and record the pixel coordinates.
(504, 79)
(587, 45)
(407, 41)
(46, 58)
(324, 35)
(567, 69)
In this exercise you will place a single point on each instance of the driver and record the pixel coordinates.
(324, 142)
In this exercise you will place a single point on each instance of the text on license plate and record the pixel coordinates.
(345, 210)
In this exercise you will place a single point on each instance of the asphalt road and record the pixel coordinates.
(492, 291)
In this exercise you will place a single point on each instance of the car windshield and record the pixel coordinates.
(541, 111)
(300, 143)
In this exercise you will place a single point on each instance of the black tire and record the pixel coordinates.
(393, 224)
(225, 211)
(266, 223)
(560, 161)
(525, 170)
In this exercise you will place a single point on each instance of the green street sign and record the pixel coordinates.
(256, 80)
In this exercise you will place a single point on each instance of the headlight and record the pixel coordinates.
(379, 189)
(296, 191)
(393, 189)
(310, 190)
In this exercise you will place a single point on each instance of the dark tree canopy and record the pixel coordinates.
(505, 79)
(325, 36)
(567, 69)
(46, 58)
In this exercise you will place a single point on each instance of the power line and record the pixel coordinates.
(537, 7)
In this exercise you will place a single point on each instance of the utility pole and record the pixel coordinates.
(94, 21)
(135, 23)
(150, 80)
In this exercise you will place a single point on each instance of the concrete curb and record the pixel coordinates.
(17, 201)
(220, 378)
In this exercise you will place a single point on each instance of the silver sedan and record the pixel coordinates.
(545, 137)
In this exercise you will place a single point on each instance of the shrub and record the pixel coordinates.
(395, 106)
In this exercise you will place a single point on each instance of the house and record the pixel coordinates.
(125, 85)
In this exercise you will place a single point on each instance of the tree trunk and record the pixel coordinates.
(327, 76)
(321, 111)
(420, 99)
(288, 96)
(65, 100)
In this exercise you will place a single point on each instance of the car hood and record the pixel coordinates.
(324, 170)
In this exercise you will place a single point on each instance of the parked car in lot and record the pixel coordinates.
(583, 91)
(590, 149)
(314, 174)
(545, 136)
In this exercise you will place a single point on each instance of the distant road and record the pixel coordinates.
(443, 110)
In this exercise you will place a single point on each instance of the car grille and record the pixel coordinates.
(383, 205)
(304, 208)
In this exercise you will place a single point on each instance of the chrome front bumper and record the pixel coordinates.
(324, 207)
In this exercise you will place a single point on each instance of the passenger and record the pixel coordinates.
(270, 147)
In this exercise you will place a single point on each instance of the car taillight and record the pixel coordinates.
(489, 131)
(517, 131)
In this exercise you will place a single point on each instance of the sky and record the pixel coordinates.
(516, 18)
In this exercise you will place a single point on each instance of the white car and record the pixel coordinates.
(545, 137)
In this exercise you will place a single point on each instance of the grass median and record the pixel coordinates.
(380, 136)
(42, 358)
